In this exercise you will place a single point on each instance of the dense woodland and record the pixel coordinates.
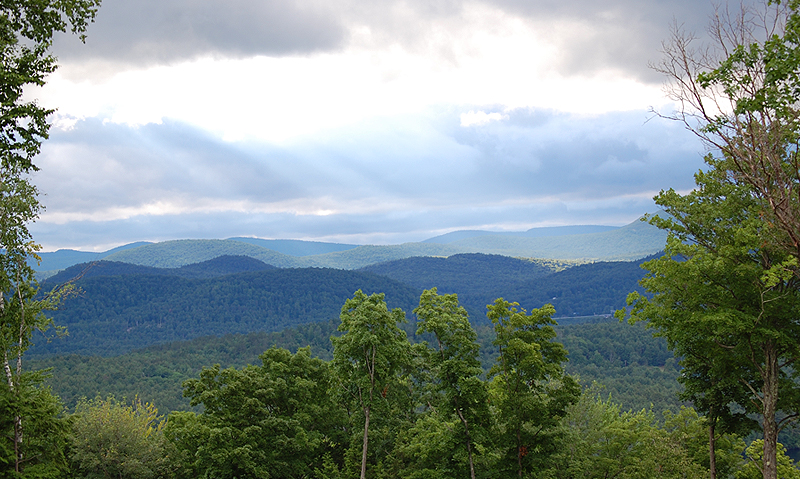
(120, 307)
(635, 369)
(289, 428)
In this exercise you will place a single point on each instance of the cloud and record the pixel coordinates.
(588, 36)
(391, 179)
(479, 117)
(163, 31)
(104, 171)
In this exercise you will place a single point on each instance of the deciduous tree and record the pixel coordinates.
(112, 439)
(726, 298)
(529, 386)
(369, 355)
(27, 29)
(273, 420)
(455, 365)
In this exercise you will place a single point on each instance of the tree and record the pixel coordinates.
(273, 420)
(41, 452)
(529, 386)
(752, 469)
(369, 355)
(739, 95)
(112, 439)
(726, 298)
(27, 29)
(454, 363)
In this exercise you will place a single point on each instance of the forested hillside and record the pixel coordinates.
(628, 243)
(465, 272)
(116, 314)
(121, 307)
(219, 266)
(584, 290)
(635, 368)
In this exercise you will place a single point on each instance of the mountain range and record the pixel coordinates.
(576, 244)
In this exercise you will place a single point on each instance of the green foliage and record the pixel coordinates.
(691, 432)
(123, 307)
(601, 440)
(753, 469)
(26, 34)
(529, 387)
(724, 302)
(464, 273)
(587, 289)
(369, 358)
(636, 369)
(273, 420)
(433, 448)
(220, 266)
(41, 436)
(455, 369)
(112, 439)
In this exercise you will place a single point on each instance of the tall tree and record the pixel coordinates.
(454, 363)
(529, 385)
(27, 29)
(726, 298)
(739, 95)
(112, 439)
(369, 355)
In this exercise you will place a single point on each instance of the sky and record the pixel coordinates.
(354, 121)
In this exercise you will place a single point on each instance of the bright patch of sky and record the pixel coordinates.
(353, 121)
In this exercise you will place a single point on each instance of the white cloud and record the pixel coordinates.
(480, 118)
(482, 57)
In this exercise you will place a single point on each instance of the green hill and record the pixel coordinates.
(465, 272)
(219, 266)
(115, 314)
(633, 241)
(297, 247)
(478, 279)
(122, 307)
(174, 254)
(630, 242)
(454, 236)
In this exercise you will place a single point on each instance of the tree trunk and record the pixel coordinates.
(712, 452)
(770, 427)
(469, 443)
(364, 449)
(519, 450)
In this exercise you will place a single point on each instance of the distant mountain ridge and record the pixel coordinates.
(540, 232)
(115, 314)
(219, 266)
(593, 243)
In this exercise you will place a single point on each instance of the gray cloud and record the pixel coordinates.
(161, 31)
(621, 34)
(617, 34)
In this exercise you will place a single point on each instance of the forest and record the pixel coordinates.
(426, 403)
